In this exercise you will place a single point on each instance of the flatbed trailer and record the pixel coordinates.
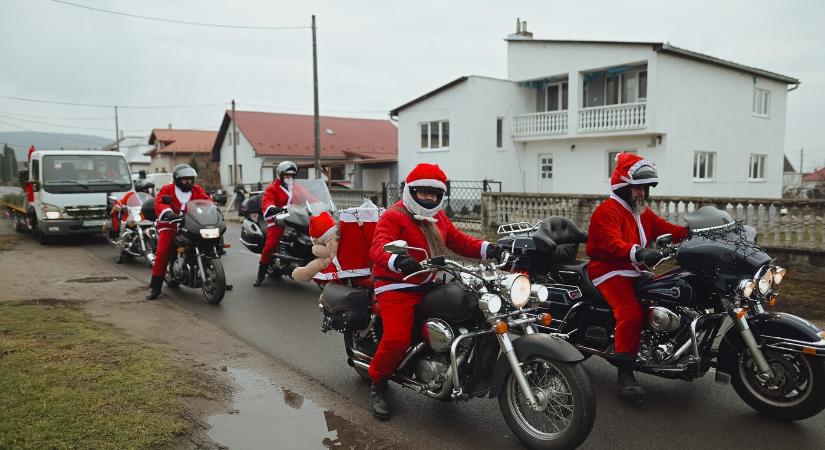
(17, 215)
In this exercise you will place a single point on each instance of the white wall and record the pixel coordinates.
(472, 108)
(250, 164)
(709, 108)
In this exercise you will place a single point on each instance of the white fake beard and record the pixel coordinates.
(639, 205)
(288, 182)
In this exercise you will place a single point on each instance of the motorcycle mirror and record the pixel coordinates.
(664, 240)
(438, 260)
(398, 247)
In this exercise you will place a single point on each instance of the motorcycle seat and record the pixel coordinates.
(559, 239)
(576, 273)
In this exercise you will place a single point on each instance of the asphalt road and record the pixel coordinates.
(282, 319)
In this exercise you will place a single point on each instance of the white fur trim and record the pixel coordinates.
(638, 165)
(636, 216)
(633, 251)
(288, 193)
(428, 182)
(613, 187)
(323, 238)
(396, 286)
(351, 273)
(616, 273)
(418, 211)
(484, 246)
(391, 264)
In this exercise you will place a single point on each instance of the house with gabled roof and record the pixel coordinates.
(176, 146)
(358, 153)
(715, 128)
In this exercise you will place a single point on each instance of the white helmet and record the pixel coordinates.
(285, 167)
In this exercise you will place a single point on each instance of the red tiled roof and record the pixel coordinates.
(293, 136)
(182, 141)
(819, 175)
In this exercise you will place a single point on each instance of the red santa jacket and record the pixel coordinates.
(177, 205)
(277, 195)
(616, 233)
(396, 224)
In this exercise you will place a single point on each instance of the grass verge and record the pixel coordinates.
(71, 382)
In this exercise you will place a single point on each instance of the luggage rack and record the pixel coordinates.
(516, 228)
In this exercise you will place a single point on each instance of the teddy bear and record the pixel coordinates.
(325, 237)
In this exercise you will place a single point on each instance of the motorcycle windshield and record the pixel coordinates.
(313, 192)
(204, 213)
(708, 217)
(138, 199)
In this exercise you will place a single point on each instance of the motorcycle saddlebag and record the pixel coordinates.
(252, 236)
(148, 210)
(345, 308)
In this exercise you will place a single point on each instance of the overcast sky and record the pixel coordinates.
(373, 55)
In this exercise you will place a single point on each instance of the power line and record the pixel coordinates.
(181, 22)
(57, 118)
(96, 105)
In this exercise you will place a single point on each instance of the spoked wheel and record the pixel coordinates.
(566, 406)
(795, 392)
(214, 286)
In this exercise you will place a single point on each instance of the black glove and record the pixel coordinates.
(272, 212)
(169, 216)
(495, 251)
(648, 256)
(407, 264)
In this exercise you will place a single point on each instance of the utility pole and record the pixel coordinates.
(315, 100)
(801, 160)
(117, 132)
(234, 148)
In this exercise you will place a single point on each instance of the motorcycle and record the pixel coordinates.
(309, 197)
(138, 237)
(708, 312)
(199, 244)
(475, 336)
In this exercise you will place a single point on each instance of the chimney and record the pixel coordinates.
(521, 31)
(170, 126)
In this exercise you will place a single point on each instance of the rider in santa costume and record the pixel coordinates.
(620, 230)
(419, 220)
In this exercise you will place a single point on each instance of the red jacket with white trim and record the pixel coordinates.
(276, 195)
(396, 224)
(616, 233)
(197, 193)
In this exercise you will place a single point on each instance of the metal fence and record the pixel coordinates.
(462, 202)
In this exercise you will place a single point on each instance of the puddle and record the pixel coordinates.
(265, 416)
(97, 279)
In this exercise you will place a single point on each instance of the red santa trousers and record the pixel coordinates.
(166, 247)
(398, 316)
(273, 235)
(629, 314)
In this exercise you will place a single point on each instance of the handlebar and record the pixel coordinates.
(429, 266)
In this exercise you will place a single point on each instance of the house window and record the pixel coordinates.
(303, 173)
(435, 134)
(613, 87)
(229, 138)
(546, 167)
(232, 174)
(611, 160)
(703, 163)
(556, 97)
(499, 132)
(643, 86)
(761, 102)
(757, 167)
(337, 173)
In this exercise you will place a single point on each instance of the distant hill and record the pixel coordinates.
(21, 140)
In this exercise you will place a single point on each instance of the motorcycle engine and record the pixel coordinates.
(432, 370)
(180, 269)
(655, 347)
(663, 319)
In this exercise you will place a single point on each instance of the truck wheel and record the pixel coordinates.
(40, 236)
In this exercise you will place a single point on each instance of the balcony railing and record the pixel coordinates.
(628, 116)
(540, 124)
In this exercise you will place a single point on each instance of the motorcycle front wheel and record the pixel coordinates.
(566, 404)
(796, 392)
(214, 286)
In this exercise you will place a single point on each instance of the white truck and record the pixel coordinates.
(67, 192)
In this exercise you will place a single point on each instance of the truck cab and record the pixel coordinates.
(68, 191)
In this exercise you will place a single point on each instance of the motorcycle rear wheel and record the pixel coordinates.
(568, 401)
(783, 401)
(214, 286)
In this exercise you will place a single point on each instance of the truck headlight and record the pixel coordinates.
(52, 212)
(518, 288)
(210, 233)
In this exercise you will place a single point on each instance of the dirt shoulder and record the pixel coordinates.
(30, 272)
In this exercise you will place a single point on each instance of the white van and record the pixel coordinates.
(71, 191)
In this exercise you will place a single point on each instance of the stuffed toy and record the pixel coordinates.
(324, 234)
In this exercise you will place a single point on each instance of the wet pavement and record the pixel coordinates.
(265, 416)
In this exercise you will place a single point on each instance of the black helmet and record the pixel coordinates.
(143, 186)
(285, 167)
(183, 171)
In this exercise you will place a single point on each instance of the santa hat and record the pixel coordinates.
(626, 165)
(424, 175)
(322, 226)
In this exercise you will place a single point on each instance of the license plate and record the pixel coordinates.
(93, 223)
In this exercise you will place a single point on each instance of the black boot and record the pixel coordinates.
(154, 287)
(626, 381)
(262, 268)
(378, 401)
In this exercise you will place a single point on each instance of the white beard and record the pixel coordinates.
(639, 205)
(288, 183)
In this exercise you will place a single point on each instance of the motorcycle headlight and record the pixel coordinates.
(778, 274)
(490, 302)
(746, 288)
(540, 292)
(765, 282)
(52, 212)
(210, 233)
(518, 289)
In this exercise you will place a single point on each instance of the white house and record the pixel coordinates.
(359, 153)
(714, 127)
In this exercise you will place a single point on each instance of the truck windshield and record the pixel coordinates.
(85, 173)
